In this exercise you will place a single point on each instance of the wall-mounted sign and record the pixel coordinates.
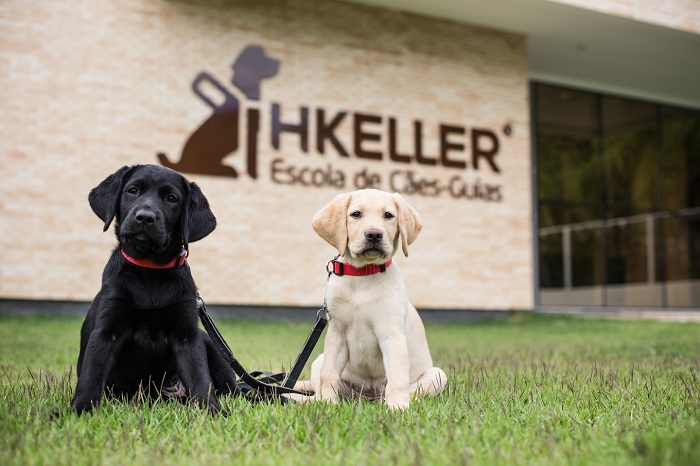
(463, 151)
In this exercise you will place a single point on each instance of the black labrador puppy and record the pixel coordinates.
(141, 333)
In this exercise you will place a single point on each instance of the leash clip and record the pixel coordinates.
(333, 267)
(181, 258)
(323, 313)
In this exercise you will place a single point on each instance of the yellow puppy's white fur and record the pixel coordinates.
(376, 342)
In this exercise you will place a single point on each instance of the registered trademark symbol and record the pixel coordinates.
(508, 130)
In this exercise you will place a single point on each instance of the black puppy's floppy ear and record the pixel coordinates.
(197, 218)
(104, 198)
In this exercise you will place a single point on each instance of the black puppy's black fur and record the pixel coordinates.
(142, 330)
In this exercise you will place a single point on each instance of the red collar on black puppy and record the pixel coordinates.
(343, 268)
(176, 263)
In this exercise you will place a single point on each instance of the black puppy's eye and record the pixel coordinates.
(388, 215)
(356, 214)
(171, 198)
(133, 190)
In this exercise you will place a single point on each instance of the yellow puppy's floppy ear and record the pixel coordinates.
(409, 221)
(330, 223)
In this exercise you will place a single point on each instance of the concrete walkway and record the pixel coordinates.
(299, 314)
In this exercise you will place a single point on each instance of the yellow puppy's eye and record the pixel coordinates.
(388, 215)
(356, 214)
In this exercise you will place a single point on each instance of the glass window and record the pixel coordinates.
(626, 253)
(630, 156)
(551, 261)
(680, 136)
(680, 248)
(586, 257)
(618, 186)
(566, 139)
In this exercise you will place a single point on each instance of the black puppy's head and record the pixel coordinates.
(157, 210)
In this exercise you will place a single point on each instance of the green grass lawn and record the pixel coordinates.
(529, 390)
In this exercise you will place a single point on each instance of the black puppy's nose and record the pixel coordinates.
(374, 235)
(145, 216)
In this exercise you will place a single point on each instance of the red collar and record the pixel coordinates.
(343, 268)
(176, 263)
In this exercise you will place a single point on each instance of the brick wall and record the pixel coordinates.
(88, 86)
(683, 15)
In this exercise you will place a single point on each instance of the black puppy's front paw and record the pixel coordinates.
(221, 412)
(84, 406)
(213, 408)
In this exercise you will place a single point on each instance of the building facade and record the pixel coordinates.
(538, 184)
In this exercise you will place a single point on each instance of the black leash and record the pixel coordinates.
(303, 356)
(264, 385)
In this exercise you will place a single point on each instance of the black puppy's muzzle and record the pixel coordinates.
(143, 220)
(145, 217)
(144, 229)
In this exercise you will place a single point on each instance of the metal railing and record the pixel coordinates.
(648, 219)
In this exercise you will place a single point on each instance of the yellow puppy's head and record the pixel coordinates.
(365, 226)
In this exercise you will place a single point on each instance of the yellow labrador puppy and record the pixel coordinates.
(375, 345)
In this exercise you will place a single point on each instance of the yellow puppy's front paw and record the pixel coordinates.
(297, 398)
(398, 402)
(328, 399)
(328, 393)
(304, 386)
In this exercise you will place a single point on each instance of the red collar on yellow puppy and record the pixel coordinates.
(176, 263)
(343, 268)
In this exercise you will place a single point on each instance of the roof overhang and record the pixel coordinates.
(583, 48)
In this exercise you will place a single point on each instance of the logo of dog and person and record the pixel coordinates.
(459, 148)
(218, 136)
